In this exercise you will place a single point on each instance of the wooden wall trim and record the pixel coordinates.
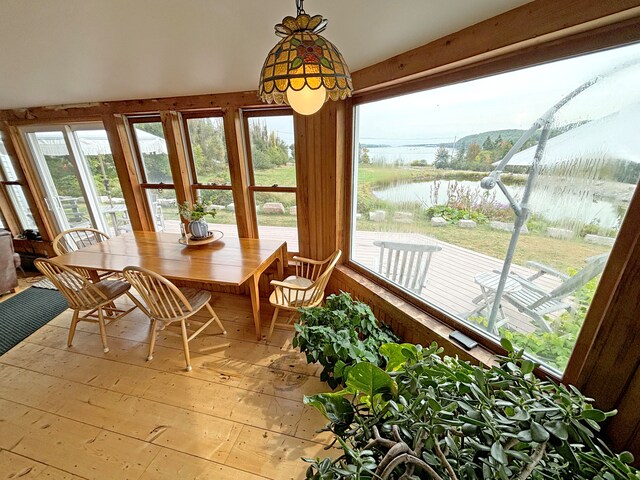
(536, 22)
(234, 137)
(125, 163)
(8, 213)
(151, 105)
(178, 162)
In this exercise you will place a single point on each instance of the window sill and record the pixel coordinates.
(410, 322)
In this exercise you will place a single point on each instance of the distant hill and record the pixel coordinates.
(479, 138)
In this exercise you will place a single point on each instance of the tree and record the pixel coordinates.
(472, 152)
(442, 157)
(363, 155)
(488, 144)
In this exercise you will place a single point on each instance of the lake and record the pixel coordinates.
(570, 206)
(402, 154)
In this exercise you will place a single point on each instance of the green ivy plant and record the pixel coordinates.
(425, 416)
(339, 335)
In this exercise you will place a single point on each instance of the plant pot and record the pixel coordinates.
(199, 228)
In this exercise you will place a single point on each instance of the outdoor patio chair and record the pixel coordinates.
(304, 289)
(406, 264)
(77, 238)
(168, 304)
(536, 302)
(82, 295)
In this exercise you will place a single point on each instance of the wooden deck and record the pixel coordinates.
(450, 282)
(80, 414)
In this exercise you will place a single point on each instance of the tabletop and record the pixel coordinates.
(229, 261)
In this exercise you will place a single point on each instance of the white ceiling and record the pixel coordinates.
(71, 51)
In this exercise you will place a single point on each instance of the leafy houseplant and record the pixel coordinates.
(339, 335)
(428, 417)
(196, 214)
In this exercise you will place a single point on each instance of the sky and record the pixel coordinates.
(510, 100)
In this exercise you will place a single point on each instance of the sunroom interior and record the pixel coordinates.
(476, 188)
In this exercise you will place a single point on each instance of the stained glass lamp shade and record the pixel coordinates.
(304, 69)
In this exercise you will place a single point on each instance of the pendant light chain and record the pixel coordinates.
(300, 7)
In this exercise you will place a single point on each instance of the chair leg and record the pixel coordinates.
(185, 345)
(273, 322)
(154, 334)
(72, 327)
(103, 331)
(215, 317)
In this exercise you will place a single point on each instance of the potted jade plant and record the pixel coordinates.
(195, 213)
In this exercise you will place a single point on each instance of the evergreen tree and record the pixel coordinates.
(442, 157)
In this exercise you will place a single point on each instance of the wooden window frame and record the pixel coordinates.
(599, 39)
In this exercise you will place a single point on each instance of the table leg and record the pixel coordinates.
(255, 304)
(282, 261)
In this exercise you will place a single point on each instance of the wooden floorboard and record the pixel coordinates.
(68, 413)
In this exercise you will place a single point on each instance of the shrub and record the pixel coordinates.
(428, 417)
(339, 335)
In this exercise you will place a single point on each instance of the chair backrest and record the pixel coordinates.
(79, 292)
(406, 264)
(593, 268)
(76, 238)
(317, 291)
(163, 299)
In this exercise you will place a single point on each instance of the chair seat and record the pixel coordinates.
(276, 298)
(197, 298)
(112, 288)
(526, 297)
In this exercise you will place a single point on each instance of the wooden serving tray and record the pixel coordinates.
(214, 237)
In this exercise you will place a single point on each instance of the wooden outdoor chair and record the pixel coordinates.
(82, 295)
(304, 289)
(536, 302)
(167, 304)
(77, 238)
(405, 264)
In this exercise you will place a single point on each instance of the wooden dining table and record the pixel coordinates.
(228, 261)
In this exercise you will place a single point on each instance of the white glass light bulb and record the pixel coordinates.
(307, 101)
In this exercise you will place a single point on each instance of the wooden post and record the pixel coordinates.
(177, 156)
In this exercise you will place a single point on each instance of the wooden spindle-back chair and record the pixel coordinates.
(77, 238)
(82, 295)
(304, 289)
(167, 304)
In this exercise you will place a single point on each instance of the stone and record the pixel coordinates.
(293, 210)
(358, 216)
(561, 233)
(507, 227)
(438, 222)
(467, 224)
(273, 208)
(377, 216)
(599, 240)
(231, 207)
(218, 207)
(403, 217)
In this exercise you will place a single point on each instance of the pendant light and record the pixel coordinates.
(304, 69)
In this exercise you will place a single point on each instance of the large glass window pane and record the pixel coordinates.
(418, 164)
(277, 217)
(225, 219)
(152, 148)
(209, 150)
(164, 209)
(272, 150)
(7, 172)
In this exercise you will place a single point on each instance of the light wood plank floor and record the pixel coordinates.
(78, 413)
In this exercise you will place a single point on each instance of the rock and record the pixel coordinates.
(438, 222)
(293, 210)
(218, 207)
(599, 239)
(231, 207)
(358, 216)
(561, 233)
(467, 224)
(507, 227)
(403, 217)
(275, 208)
(377, 216)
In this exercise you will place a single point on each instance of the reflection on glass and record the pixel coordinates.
(209, 150)
(277, 217)
(419, 160)
(225, 219)
(153, 150)
(164, 210)
(7, 172)
(272, 151)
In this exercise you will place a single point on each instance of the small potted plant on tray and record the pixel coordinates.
(195, 213)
